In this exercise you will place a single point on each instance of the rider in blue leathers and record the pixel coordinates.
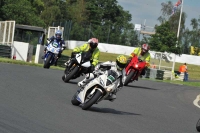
(59, 40)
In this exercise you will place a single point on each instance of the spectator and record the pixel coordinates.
(183, 69)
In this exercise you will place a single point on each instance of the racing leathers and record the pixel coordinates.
(61, 44)
(101, 68)
(145, 57)
(86, 48)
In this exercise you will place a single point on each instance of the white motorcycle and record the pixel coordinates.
(100, 88)
(77, 66)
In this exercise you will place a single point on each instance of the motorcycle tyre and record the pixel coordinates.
(74, 101)
(47, 62)
(128, 78)
(71, 74)
(92, 100)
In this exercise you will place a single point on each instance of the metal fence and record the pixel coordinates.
(111, 34)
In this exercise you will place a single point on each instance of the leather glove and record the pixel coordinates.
(73, 54)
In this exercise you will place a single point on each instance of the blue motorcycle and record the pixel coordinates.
(51, 55)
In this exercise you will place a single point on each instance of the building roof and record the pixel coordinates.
(27, 27)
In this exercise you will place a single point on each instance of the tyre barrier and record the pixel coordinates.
(5, 51)
(154, 74)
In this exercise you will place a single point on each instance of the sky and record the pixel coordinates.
(151, 10)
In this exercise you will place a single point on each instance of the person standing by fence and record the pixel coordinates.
(183, 69)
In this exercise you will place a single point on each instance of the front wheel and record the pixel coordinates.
(198, 126)
(128, 78)
(47, 62)
(74, 101)
(69, 74)
(97, 94)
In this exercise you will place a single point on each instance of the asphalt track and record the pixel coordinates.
(36, 100)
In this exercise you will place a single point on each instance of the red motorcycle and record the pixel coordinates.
(133, 69)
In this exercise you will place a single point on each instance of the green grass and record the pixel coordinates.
(188, 83)
(11, 61)
(103, 56)
(194, 70)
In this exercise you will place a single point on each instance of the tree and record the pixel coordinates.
(173, 19)
(78, 11)
(186, 41)
(103, 19)
(21, 11)
(164, 39)
(195, 33)
(109, 20)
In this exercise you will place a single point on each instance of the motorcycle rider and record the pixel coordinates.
(117, 66)
(142, 53)
(57, 38)
(90, 46)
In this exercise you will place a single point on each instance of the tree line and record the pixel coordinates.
(166, 39)
(105, 20)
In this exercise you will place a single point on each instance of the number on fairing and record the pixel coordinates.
(55, 44)
(111, 78)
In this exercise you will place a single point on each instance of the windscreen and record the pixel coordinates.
(112, 77)
(86, 56)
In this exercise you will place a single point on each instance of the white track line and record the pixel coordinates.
(195, 102)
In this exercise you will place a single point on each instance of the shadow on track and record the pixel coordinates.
(111, 111)
(73, 82)
(142, 87)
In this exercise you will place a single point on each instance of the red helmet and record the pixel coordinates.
(145, 47)
(93, 42)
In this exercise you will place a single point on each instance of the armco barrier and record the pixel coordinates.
(119, 49)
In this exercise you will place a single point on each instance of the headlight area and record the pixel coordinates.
(109, 89)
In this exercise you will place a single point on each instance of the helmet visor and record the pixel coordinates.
(58, 36)
(93, 45)
(120, 65)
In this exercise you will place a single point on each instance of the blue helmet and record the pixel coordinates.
(58, 34)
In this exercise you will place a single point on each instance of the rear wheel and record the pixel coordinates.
(93, 99)
(69, 74)
(128, 78)
(198, 126)
(74, 101)
(47, 62)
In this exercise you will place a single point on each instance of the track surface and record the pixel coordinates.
(36, 100)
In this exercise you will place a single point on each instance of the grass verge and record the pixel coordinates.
(194, 70)
(188, 83)
(11, 61)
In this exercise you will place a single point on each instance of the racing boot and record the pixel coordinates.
(113, 95)
(56, 62)
(81, 84)
(88, 78)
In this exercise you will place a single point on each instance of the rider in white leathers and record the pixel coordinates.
(117, 66)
